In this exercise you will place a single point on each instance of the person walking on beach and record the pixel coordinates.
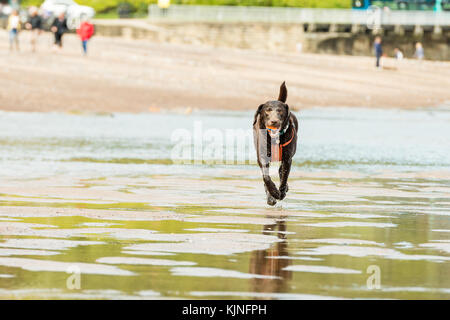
(164, 6)
(85, 31)
(59, 27)
(13, 29)
(398, 54)
(419, 54)
(34, 24)
(378, 50)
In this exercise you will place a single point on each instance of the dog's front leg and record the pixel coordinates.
(284, 170)
(271, 189)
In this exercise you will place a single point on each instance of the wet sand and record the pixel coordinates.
(137, 76)
(316, 244)
(99, 194)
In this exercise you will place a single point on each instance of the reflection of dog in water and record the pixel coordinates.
(268, 262)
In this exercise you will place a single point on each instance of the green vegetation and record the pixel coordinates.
(109, 7)
(273, 3)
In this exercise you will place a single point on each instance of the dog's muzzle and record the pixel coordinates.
(273, 132)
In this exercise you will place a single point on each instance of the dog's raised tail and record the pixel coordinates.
(283, 92)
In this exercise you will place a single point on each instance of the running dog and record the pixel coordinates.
(275, 137)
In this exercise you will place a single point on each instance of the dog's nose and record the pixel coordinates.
(275, 123)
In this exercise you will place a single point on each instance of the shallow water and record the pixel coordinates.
(98, 193)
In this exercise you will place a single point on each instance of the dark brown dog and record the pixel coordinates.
(275, 136)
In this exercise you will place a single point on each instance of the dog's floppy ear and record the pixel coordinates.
(283, 92)
(257, 113)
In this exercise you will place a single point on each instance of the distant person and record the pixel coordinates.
(85, 31)
(164, 6)
(59, 27)
(398, 54)
(378, 50)
(35, 25)
(419, 54)
(13, 29)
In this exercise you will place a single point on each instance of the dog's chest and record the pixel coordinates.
(275, 150)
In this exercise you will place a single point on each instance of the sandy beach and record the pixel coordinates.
(138, 76)
(98, 193)
(92, 191)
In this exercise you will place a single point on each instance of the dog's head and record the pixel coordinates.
(274, 115)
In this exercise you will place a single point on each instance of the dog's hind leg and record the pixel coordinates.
(284, 170)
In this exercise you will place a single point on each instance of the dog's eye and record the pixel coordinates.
(269, 109)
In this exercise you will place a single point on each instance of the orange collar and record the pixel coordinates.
(276, 150)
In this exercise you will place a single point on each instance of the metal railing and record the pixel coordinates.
(189, 13)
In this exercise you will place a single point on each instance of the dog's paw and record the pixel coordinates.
(271, 188)
(283, 191)
(276, 194)
(271, 201)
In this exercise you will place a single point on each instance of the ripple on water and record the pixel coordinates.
(23, 252)
(216, 230)
(356, 251)
(216, 272)
(63, 294)
(38, 231)
(147, 253)
(343, 224)
(98, 224)
(259, 295)
(295, 258)
(58, 266)
(148, 293)
(46, 244)
(345, 242)
(321, 269)
(231, 219)
(144, 261)
(207, 243)
(441, 245)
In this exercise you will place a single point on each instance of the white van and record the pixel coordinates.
(74, 12)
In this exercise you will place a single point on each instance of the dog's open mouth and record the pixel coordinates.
(273, 131)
